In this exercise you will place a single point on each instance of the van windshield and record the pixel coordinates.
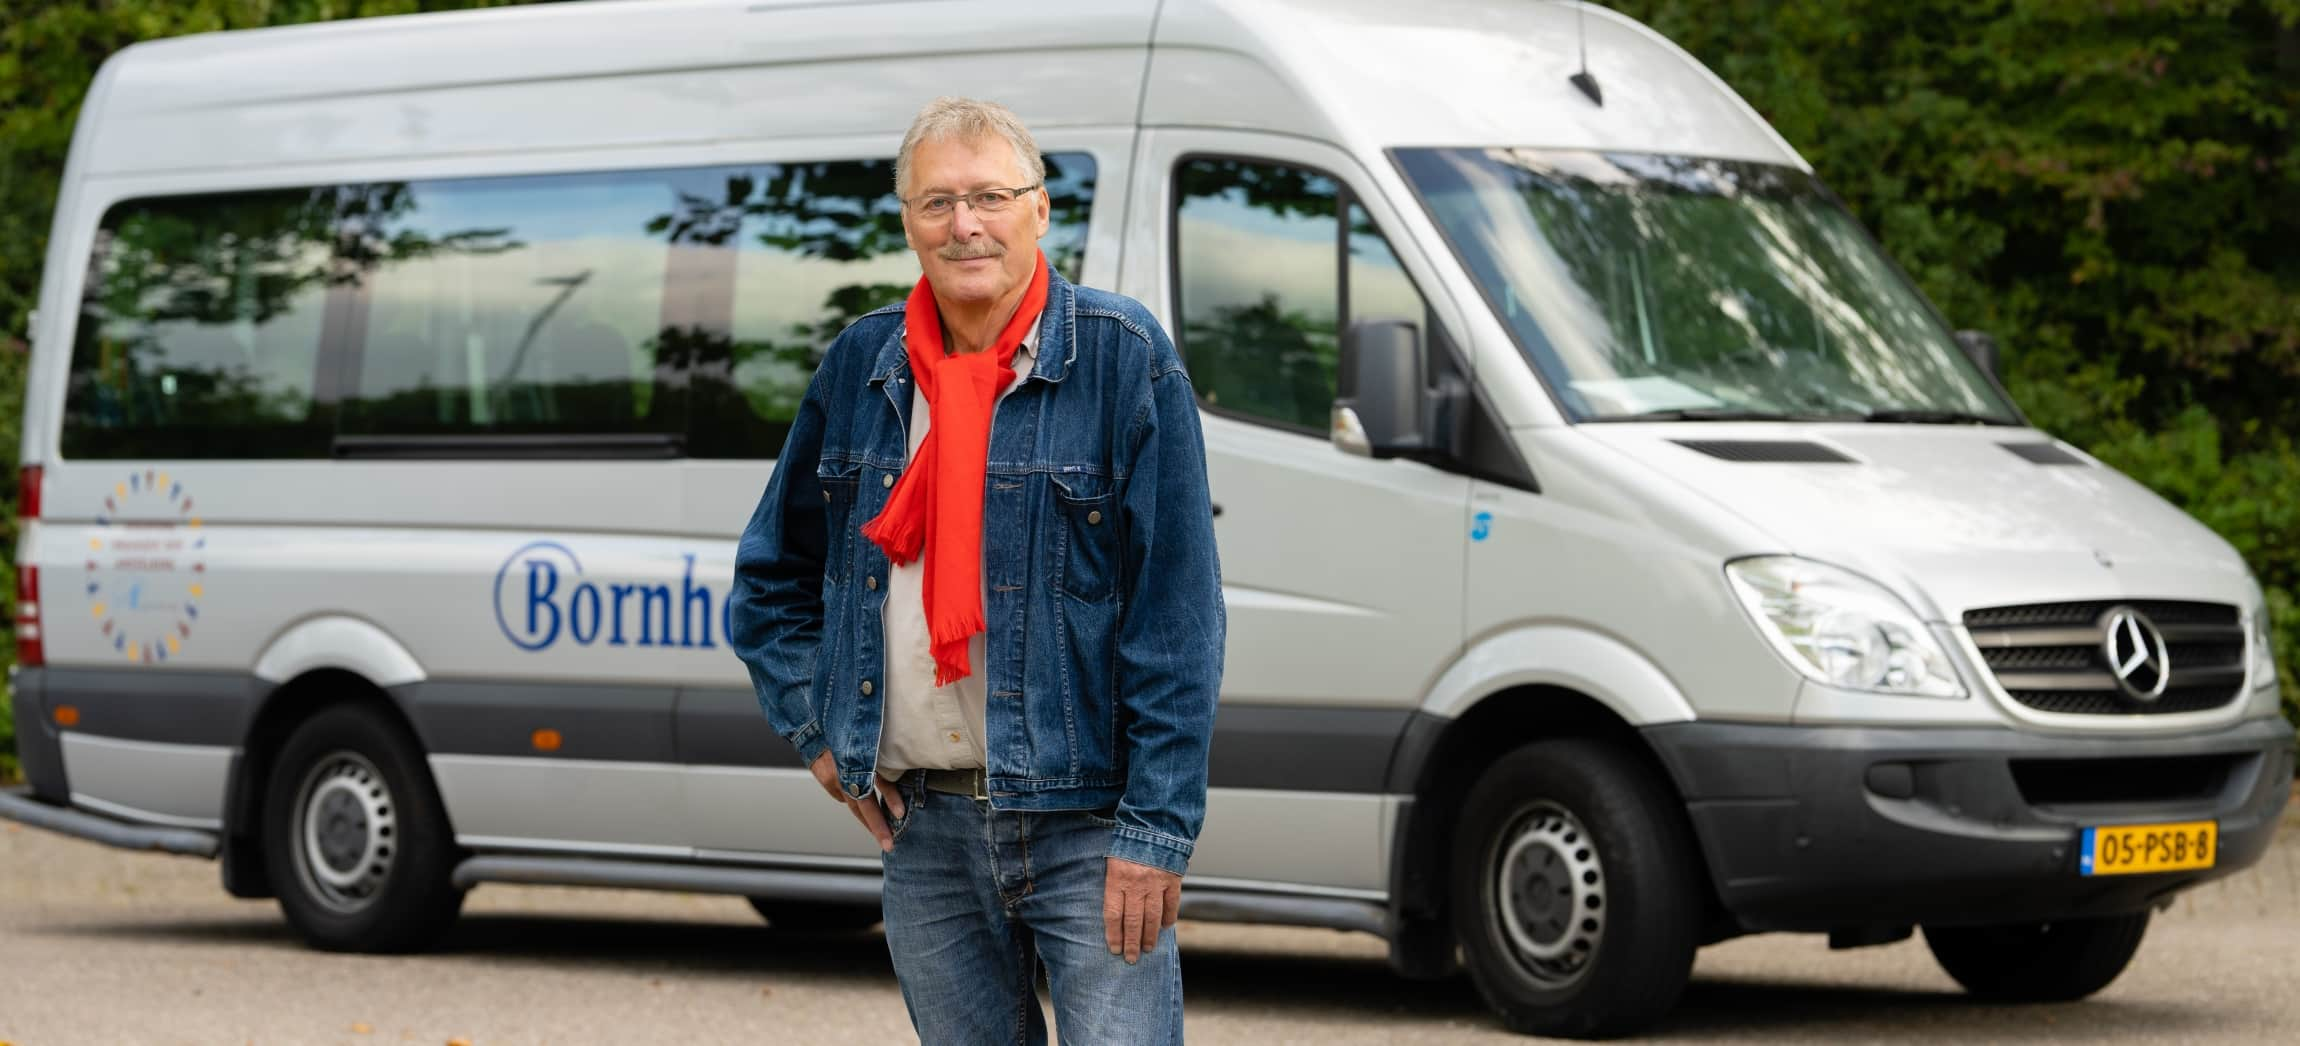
(1678, 288)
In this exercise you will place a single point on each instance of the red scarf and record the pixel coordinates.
(937, 506)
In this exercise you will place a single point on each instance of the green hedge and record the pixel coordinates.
(2111, 186)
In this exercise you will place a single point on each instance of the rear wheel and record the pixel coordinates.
(355, 838)
(811, 917)
(2038, 962)
(1576, 890)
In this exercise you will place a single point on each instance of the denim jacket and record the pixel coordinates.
(1104, 646)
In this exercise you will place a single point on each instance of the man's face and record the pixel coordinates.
(971, 257)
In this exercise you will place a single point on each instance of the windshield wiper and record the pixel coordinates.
(1933, 417)
(1719, 414)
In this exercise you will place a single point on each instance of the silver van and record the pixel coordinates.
(1621, 555)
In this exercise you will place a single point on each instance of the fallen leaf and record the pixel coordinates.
(360, 1029)
(762, 991)
(459, 1041)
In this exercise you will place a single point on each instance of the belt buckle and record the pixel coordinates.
(979, 778)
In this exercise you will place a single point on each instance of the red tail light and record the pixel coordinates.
(30, 650)
(28, 492)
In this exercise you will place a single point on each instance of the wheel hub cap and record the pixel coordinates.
(347, 828)
(1550, 892)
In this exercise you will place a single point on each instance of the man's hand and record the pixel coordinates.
(827, 774)
(1138, 902)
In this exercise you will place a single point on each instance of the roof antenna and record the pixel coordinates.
(1582, 79)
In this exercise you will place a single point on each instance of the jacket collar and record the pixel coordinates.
(1057, 341)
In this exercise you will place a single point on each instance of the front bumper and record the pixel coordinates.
(1824, 828)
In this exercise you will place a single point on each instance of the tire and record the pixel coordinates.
(355, 838)
(810, 917)
(2038, 962)
(1577, 892)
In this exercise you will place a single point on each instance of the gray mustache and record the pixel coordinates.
(962, 252)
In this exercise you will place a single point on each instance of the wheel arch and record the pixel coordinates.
(280, 710)
(1440, 759)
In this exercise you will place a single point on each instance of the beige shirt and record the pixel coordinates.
(927, 726)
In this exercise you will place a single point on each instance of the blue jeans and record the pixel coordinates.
(976, 899)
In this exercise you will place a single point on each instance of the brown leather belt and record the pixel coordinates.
(973, 784)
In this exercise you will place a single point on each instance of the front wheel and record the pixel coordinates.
(355, 837)
(1576, 890)
(2038, 962)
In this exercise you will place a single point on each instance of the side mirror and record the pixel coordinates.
(1981, 348)
(1382, 410)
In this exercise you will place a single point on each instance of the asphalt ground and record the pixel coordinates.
(107, 946)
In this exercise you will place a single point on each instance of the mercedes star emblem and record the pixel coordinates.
(2136, 653)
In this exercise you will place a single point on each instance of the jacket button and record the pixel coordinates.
(871, 583)
(866, 688)
(1094, 517)
(826, 493)
(886, 480)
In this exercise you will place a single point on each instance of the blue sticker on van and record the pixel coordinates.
(1481, 526)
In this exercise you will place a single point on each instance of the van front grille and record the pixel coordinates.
(2053, 657)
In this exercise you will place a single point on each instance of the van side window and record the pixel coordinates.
(1262, 279)
(199, 331)
(521, 305)
(686, 304)
(801, 252)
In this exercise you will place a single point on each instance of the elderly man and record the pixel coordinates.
(980, 597)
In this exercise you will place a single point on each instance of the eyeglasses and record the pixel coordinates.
(984, 201)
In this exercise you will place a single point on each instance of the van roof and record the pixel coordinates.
(635, 73)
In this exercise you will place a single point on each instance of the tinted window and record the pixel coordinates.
(811, 247)
(199, 334)
(510, 305)
(691, 303)
(1262, 281)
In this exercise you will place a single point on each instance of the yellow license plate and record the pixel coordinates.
(2126, 849)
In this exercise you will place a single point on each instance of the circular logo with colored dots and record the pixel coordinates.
(147, 568)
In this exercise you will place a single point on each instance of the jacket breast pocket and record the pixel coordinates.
(1089, 535)
(841, 484)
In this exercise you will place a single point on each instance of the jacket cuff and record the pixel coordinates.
(1150, 848)
(809, 741)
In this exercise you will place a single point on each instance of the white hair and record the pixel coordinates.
(967, 119)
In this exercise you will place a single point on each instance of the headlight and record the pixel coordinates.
(1842, 629)
(2263, 671)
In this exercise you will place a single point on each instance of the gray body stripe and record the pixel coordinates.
(724, 727)
(1304, 748)
(185, 708)
(618, 723)
(1291, 747)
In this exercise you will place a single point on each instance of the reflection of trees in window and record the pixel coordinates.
(1742, 281)
(1272, 362)
(1273, 356)
(746, 384)
(202, 320)
(205, 315)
